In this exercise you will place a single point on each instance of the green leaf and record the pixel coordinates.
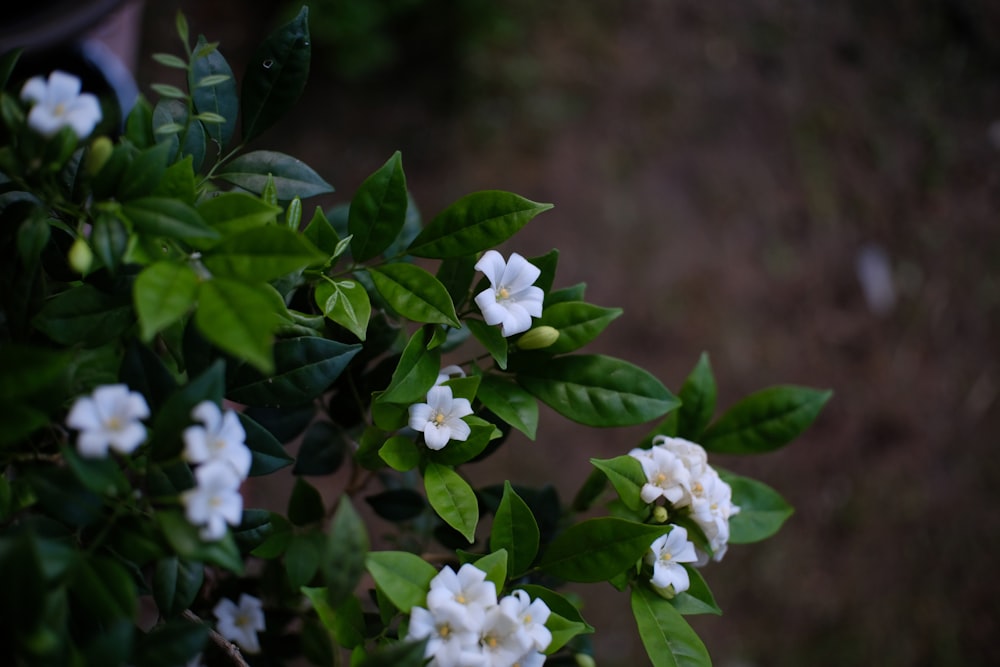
(398, 654)
(160, 217)
(176, 583)
(626, 475)
(322, 451)
(240, 318)
(397, 504)
(345, 302)
(416, 372)
(578, 323)
(176, 642)
(572, 293)
(302, 559)
(261, 254)
(305, 505)
(166, 90)
(256, 527)
(84, 315)
(346, 550)
(267, 453)
(144, 173)
(233, 212)
(175, 415)
(515, 530)
(277, 75)
(765, 420)
(697, 599)
(218, 96)
(8, 60)
(322, 234)
(139, 124)
(26, 369)
(596, 390)
(456, 274)
(475, 222)
(164, 293)
(277, 540)
(510, 403)
(415, 294)
(492, 339)
(599, 549)
(762, 509)
(102, 476)
(378, 210)
(105, 588)
(561, 607)
(186, 542)
(494, 564)
(404, 577)
(304, 368)
(170, 118)
(697, 401)
(292, 177)
(178, 182)
(109, 239)
(170, 60)
(458, 452)
(669, 640)
(452, 498)
(400, 453)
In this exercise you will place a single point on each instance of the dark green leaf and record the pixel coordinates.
(306, 504)
(139, 124)
(240, 318)
(109, 239)
(397, 504)
(321, 233)
(144, 173)
(255, 528)
(452, 498)
(292, 177)
(404, 577)
(173, 643)
(400, 453)
(765, 420)
(492, 339)
(267, 453)
(578, 323)
(378, 210)
(415, 294)
(261, 254)
(669, 640)
(176, 583)
(344, 556)
(26, 369)
(170, 118)
(398, 654)
(276, 76)
(167, 218)
(626, 475)
(164, 293)
(572, 293)
(322, 450)
(187, 543)
(234, 212)
(697, 599)
(84, 315)
(596, 390)
(175, 415)
(515, 529)
(510, 403)
(416, 372)
(762, 510)
(599, 549)
(219, 98)
(302, 559)
(697, 401)
(475, 222)
(105, 588)
(345, 302)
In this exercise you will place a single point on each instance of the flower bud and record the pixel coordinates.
(660, 514)
(584, 660)
(80, 256)
(100, 151)
(538, 338)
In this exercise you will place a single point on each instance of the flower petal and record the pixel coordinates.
(492, 266)
(519, 273)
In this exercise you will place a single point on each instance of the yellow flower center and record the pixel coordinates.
(115, 424)
(439, 418)
(697, 489)
(661, 478)
(444, 630)
(491, 641)
(503, 294)
(60, 110)
(460, 599)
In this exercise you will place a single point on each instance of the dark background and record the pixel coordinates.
(718, 169)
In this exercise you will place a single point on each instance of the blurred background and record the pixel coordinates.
(808, 191)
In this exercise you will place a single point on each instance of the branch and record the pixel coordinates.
(230, 649)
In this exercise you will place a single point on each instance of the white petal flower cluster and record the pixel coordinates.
(677, 471)
(466, 626)
(58, 103)
(219, 448)
(512, 299)
(666, 555)
(109, 418)
(240, 623)
(440, 418)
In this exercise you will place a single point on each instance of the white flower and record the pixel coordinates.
(532, 615)
(512, 299)
(666, 555)
(468, 589)
(109, 418)
(693, 454)
(447, 372)
(241, 623)
(221, 438)
(452, 639)
(666, 475)
(530, 659)
(440, 418)
(215, 500)
(711, 508)
(58, 103)
(503, 638)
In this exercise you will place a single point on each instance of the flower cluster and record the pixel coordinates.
(677, 471)
(466, 626)
(110, 418)
(240, 623)
(219, 448)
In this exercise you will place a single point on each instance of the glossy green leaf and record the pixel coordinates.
(164, 293)
(109, 239)
(597, 390)
(400, 453)
(306, 504)
(233, 212)
(304, 368)
(139, 124)
(571, 293)
(494, 564)
(261, 254)
(85, 315)
(697, 401)
(562, 607)
(765, 420)
(626, 475)
(492, 339)
(397, 504)
(456, 274)
(452, 498)
(458, 452)
(397, 654)
(510, 403)
(167, 218)
(322, 451)
(321, 233)
(345, 302)
(176, 642)
(219, 97)
(276, 76)
(344, 556)
(175, 415)
(292, 177)
(239, 318)
(171, 121)
(515, 530)
(256, 527)
(403, 577)
(378, 210)
(176, 583)
(762, 510)
(415, 373)
(669, 640)
(474, 223)
(599, 549)
(697, 599)
(277, 540)
(578, 323)
(144, 173)
(415, 294)
(267, 452)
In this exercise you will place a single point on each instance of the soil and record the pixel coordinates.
(720, 170)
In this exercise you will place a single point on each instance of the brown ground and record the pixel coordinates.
(716, 169)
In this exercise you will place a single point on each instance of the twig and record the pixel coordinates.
(231, 649)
